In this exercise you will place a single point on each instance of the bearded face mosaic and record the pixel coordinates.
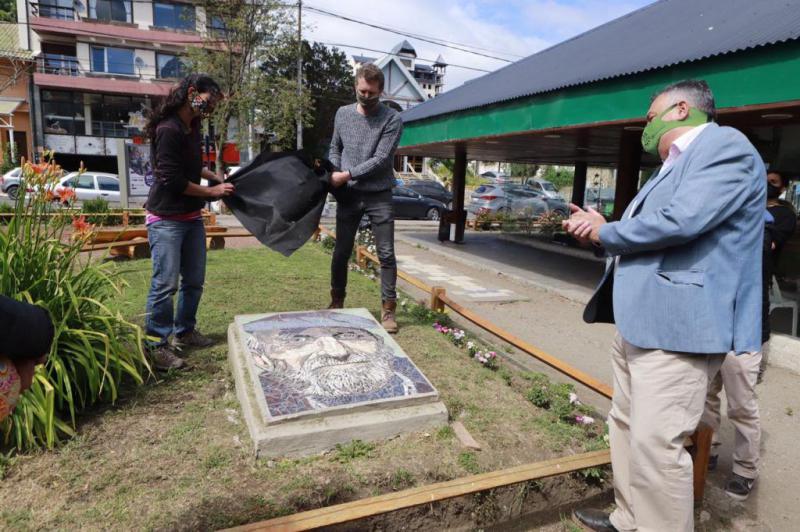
(313, 362)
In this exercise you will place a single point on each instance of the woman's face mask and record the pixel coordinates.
(202, 104)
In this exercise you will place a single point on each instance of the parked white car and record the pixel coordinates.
(90, 185)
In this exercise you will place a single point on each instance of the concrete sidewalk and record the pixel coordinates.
(554, 289)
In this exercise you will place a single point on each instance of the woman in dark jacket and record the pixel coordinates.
(174, 221)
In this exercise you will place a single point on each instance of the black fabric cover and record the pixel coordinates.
(26, 331)
(279, 198)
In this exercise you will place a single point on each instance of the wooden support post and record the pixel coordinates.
(125, 219)
(579, 183)
(315, 236)
(701, 451)
(212, 219)
(437, 305)
(628, 166)
(459, 188)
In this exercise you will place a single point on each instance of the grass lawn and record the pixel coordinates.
(175, 454)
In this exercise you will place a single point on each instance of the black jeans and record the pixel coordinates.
(351, 206)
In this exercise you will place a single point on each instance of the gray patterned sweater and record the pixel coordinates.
(365, 146)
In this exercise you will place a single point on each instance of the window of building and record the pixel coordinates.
(111, 10)
(62, 113)
(60, 9)
(112, 60)
(174, 16)
(216, 26)
(169, 66)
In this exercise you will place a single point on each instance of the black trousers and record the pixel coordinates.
(351, 206)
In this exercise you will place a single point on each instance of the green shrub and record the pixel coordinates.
(94, 348)
(99, 206)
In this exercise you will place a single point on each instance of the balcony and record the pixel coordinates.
(54, 71)
(56, 20)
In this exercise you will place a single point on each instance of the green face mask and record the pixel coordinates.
(657, 127)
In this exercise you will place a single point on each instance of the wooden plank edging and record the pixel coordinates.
(390, 502)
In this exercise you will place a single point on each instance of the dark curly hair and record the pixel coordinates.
(176, 98)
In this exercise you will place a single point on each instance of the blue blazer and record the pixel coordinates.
(689, 272)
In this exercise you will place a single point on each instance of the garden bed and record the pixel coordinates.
(174, 454)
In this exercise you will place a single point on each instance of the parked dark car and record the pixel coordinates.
(410, 204)
(431, 189)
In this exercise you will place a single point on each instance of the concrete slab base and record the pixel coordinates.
(310, 434)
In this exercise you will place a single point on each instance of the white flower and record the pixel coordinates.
(573, 399)
(584, 420)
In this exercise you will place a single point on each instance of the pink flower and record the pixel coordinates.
(584, 420)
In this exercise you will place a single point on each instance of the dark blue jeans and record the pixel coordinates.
(351, 206)
(179, 255)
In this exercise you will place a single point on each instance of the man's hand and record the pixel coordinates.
(218, 191)
(584, 226)
(339, 178)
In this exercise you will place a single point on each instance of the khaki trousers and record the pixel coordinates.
(738, 376)
(658, 402)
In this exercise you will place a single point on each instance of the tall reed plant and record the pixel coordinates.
(95, 349)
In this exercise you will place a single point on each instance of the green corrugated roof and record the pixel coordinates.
(9, 42)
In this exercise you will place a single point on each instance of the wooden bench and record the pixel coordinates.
(133, 243)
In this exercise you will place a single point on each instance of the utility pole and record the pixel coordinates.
(299, 71)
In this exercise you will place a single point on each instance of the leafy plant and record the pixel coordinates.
(9, 161)
(350, 451)
(94, 348)
(99, 206)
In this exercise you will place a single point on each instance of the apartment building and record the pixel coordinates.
(99, 65)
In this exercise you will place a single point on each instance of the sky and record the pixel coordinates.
(509, 29)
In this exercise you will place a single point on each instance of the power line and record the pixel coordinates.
(424, 36)
(405, 34)
(390, 53)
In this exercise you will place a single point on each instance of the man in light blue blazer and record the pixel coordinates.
(683, 285)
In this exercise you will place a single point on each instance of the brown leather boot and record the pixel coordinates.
(337, 299)
(388, 316)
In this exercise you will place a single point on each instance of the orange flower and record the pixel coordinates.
(49, 196)
(66, 194)
(39, 168)
(80, 225)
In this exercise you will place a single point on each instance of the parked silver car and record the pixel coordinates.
(10, 182)
(506, 200)
(544, 186)
(554, 203)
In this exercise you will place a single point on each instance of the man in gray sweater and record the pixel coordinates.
(365, 137)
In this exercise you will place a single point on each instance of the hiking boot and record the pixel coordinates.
(192, 338)
(388, 316)
(164, 358)
(337, 299)
(591, 519)
(739, 487)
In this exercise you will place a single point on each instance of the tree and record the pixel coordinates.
(240, 32)
(559, 176)
(8, 11)
(524, 170)
(327, 77)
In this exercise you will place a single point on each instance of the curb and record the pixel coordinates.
(553, 248)
(451, 254)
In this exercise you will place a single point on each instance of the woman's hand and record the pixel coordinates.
(219, 191)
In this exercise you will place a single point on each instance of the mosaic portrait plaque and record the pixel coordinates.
(314, 363)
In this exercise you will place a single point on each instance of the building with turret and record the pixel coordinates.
(408, 80)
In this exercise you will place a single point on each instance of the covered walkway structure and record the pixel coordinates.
(582, 102)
